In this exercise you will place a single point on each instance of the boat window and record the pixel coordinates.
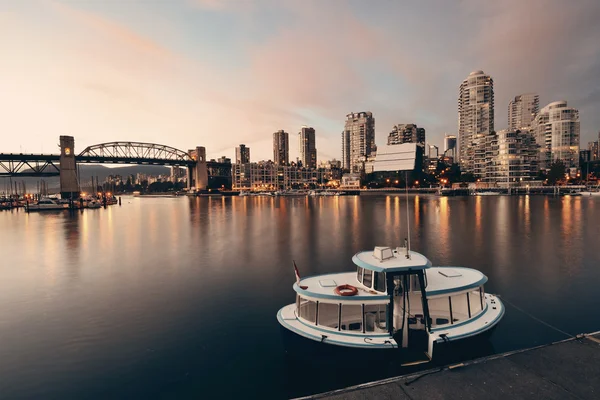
(460, 307)
(359, 274)
(368, 278)
(379, 281)
(308, 310)
(439, 310)
(351, 317)
(328, 315)
(375, 318)
(475, 302)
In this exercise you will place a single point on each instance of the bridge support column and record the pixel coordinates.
(200, 171)
(68, 168)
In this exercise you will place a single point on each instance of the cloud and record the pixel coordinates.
(282, 65)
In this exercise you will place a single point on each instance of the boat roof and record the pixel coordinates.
(445, 280)
(386, 259)
(323, 287)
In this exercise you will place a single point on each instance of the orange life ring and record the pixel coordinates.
(346, 290)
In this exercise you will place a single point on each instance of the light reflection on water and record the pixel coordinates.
(165, 296)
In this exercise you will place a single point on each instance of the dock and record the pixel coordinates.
(569, 369)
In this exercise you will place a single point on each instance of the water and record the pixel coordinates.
(177, 297)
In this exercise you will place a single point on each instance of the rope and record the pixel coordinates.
(536, 318)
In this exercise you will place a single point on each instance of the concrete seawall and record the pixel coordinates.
(568, 369)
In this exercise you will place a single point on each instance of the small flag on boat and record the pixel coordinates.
(298, 276)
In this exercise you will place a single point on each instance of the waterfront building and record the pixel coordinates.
(593, 148)
(475, 121)
(358, 140)
(308, 149)
(522, 111)
(281, 148)
(268, 176)
(242, 154)
(406, 133)
(513, 156)
(433, 151)
(584, 156)
(556, 130)
(450, 146)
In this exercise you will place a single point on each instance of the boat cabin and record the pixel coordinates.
(395, 293)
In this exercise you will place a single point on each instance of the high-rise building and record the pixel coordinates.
(308, 150)
(475, 121)
(242, 154)
(450, 146)
(594, 148)
(522, 111)
(281, 148)
(433, 151)
(406, 133)
(556, 131)
(358, 140)
(513, 158)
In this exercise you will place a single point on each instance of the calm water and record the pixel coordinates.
(177, 297)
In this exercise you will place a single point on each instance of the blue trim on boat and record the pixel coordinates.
(376, 268)
(337, 297)
(330, 341)
(478, 331)
(451, 326)
(317, 327)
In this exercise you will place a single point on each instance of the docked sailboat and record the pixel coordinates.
(395, 299)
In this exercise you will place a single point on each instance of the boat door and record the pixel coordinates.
(410, 322)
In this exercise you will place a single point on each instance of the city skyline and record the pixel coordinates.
(190, 73)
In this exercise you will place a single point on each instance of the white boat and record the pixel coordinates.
(487, 194)
(394, 299)
(93, 203)
(590, 193)
(47, 204)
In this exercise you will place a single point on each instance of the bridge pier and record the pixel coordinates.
(69, 187)
(198, 174)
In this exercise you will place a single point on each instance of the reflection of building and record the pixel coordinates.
(281, 148)
(475, 121)
(358, 140)
(308, 150)
(514, 157)
(407, 133)
(450, 146)
(242, 154)
(266, 175)
(556, 130)
(522, 111)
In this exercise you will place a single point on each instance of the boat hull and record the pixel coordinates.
(306, 341)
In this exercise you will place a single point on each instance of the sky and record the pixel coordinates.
(213, 73)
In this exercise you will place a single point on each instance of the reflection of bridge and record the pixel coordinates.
(201, 173)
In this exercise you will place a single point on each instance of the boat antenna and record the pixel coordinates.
(407, 217)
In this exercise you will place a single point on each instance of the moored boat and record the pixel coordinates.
(47, 204)
(396, 300)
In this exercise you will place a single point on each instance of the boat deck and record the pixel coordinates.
(564, 370)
